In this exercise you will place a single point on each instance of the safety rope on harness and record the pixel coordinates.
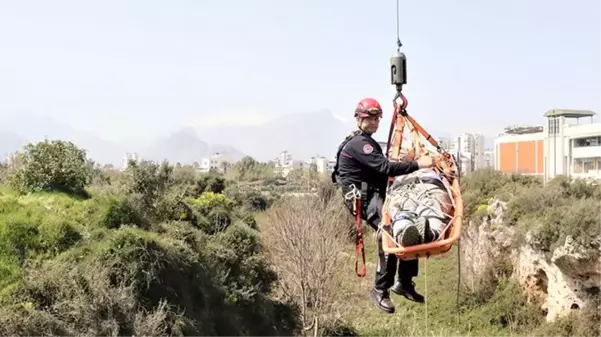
(355, 195)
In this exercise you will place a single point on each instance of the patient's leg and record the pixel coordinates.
(433, 204)
(403, 206)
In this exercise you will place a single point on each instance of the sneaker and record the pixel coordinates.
(423, 227)
(410, 236)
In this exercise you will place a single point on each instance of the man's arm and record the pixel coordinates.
(368, 155)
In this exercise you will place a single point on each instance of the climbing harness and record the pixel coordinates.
(355, 195)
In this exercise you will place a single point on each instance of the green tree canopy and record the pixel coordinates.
(51, 165)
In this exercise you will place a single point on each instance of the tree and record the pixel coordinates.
(303, 238)
(211, 181)
(51, 166)
(148, 179)
(248, 169)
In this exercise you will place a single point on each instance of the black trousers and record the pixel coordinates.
(386, 266)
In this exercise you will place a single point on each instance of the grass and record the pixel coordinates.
(442, 315)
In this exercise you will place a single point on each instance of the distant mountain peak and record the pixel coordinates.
(187, 130)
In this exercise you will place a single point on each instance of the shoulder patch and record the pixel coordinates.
(368, 148)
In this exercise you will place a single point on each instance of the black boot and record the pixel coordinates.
(407, 288)
(382, 300)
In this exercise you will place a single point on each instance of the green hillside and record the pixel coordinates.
(162, 249)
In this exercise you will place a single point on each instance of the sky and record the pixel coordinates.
(138, 68)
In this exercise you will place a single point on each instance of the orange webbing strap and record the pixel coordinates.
(397, 139)
(421, 130)
(417, 146)
(445, 163)
(359, 243)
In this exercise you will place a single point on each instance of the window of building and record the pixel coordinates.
(584, 165)
(553, 126)
(587, 141)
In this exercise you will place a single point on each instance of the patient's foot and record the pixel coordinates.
(410, 236)
(434, 235)
(423, 227)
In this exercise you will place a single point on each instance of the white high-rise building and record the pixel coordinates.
(445, 143)
(488, 159)
(320, 162)
(284, 164)
(470, 145)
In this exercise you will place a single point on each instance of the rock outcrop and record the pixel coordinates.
(565, 280)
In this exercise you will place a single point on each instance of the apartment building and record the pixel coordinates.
(219, 162)
(565, 145)
(284, 164)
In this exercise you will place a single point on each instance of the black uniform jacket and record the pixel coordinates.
(362, 159)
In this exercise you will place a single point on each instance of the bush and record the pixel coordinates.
(129, 210)
(147, 179)
(51, 166)
(142, 283)
(210, 182)
(247, 197)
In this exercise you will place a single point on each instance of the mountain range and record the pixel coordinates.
(304, 135)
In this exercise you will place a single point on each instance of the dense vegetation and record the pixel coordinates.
(161, 249)
(549, 211)
(151, 250)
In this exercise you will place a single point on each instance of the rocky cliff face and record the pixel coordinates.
(565, 280)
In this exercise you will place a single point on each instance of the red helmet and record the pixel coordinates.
(368, 107)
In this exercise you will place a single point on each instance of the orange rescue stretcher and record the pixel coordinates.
(445, 164)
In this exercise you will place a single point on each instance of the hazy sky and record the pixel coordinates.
(114, 67)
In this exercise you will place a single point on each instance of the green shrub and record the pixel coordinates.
(129, 210)
(51, 166)
(143, 283)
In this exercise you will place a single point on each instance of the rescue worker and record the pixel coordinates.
(361, 162)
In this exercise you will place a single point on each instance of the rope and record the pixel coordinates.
(426, 290)
(458, 280)
(398, 30)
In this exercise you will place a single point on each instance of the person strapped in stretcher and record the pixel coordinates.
(419, 205)
(361, 164)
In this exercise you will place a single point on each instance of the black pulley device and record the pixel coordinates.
(398, 70)
(398, 61)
